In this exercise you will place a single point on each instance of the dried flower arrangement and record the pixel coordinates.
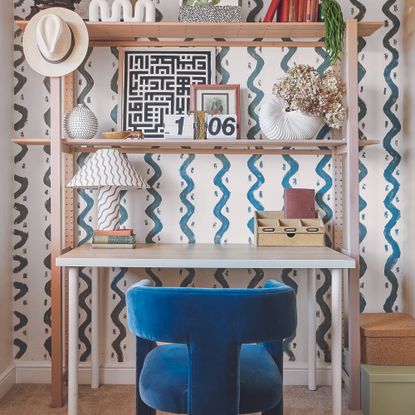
(305, 90)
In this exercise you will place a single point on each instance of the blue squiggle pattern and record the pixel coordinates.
(258, 93)
(114, 86)
(260, 180)
(391, 169)
(184, 197)
(151, 210)
(362, 168)
(219, 182)
(220, 67)
(253, 14)
(116, 313)
(20, 260)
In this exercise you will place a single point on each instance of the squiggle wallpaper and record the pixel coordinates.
(211, 198)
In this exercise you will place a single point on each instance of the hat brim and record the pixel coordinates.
(81, 37)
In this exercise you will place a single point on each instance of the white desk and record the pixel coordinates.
(206, 256)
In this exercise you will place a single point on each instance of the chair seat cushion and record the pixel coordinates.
(164, 379)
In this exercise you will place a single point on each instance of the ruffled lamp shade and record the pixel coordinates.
(109, 171)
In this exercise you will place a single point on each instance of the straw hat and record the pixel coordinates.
(55, 42)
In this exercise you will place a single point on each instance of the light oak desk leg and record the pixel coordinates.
(73, 343)
(95, 329)
(311, 350)
(336, 340)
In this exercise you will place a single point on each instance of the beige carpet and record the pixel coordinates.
(119, 399)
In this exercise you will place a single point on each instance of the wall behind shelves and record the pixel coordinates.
(6, 163)
(409, 146)
(207, 198)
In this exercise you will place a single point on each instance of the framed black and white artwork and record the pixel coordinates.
(156, 82)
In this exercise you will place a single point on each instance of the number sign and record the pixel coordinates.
(222, 127)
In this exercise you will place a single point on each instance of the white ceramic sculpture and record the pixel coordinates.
(122, 10)
(80, 123)
(145, 11)
(278, 124)
(99, 9)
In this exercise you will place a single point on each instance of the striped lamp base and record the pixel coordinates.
(108, 208)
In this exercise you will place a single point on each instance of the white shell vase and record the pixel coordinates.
(278, 124)
(80, 123)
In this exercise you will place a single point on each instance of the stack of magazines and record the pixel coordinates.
(118, 239)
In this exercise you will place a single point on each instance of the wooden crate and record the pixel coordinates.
(388, 339)
(271, 229)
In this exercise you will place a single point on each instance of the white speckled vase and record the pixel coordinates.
(278, 124)
(80, 123)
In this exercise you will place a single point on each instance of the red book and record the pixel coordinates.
(314, 7)
(272, 10)
(283, 11)
(308, 11)
(317, 4)
(299, 204)
(119, 232)
(292, 14)
(302, 6)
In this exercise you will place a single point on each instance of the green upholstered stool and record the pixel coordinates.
(388, 390)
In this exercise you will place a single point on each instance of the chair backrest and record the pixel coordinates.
(213, 323)
(182, 315)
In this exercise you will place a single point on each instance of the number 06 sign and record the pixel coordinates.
(222, 127)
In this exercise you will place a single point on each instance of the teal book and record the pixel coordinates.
(114, 239)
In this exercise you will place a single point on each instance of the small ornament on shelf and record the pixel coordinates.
(122, 10)
(80, 123)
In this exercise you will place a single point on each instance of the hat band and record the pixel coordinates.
(71, 48)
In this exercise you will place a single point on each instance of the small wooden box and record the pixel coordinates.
(388, 339)
(271, 229)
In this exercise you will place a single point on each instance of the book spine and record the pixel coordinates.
(113, 246)
(291, 16)
(272, 10)
(301, 11)
(284, 11)
(121, 232)
(113, 240)
(313, 10)
(308, 11)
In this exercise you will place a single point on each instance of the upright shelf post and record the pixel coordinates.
(56, 240)
(352, 210)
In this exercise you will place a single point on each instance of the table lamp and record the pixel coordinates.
(109, 171)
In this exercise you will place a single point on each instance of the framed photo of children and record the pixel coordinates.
(217, 100)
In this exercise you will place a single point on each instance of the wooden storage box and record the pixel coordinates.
(388, 390)
(271, 229)
(388, 339)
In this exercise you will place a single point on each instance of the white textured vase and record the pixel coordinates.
(278, 124)
(80, 123)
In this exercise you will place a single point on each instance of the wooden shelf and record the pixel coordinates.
(204, 146)
(122, 34)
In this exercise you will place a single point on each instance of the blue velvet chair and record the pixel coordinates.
(215, 365)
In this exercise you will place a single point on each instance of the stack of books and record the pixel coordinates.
(119, 239)
(293, 11)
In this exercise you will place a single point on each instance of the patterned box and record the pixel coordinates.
(210, 14)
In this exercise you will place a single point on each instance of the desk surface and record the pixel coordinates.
(206, 256)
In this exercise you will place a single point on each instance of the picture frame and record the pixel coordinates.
(147, 94)
(217, 100)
